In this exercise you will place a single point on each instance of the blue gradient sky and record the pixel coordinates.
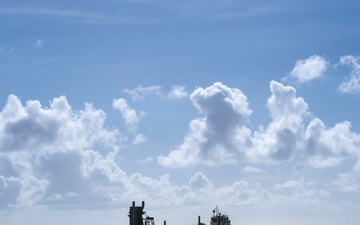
(248, 105)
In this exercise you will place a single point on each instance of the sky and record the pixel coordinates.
(250, 106)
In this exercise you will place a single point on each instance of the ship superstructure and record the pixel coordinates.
(137, 216)
(218, 218)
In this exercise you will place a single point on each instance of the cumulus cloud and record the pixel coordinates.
(58, 156)
(47, 157)
(221, 135)
(200, 181)
(140, 92)
(87, 179)
(352, 83)
(242, 193)
(42, 150)
(282, 138)
(288, 136)
(65, 170)
(54, 162)
(177, 92)
(308, 69)
(218, 136)
(36, 127)
(329, 146)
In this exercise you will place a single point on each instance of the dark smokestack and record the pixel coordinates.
(135, 214)
(199, 220)
(143, 204)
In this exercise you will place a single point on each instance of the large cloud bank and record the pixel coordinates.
(222, 135)
(57, 156)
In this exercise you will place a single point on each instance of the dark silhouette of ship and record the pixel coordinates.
(218, 218)
(137, 216)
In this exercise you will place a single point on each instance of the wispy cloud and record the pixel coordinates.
(80, 16)
(140, 92)
(130, 116)
(139, 139)
(39, 43)
(352, 83)
(5, 50)
(166, 11)
(251, 169)
(146, 160)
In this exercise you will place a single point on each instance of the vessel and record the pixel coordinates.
(137, 216)
(218, 218)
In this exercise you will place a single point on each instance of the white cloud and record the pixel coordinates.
(293, 184)
(288, 137)
(352, 83)
(283, 102)
(329, 147)
(39, 43)
(140, 92)
(221, 136)
(300, 193)
(43, 151)
(309, 69)
(18, 186)
(200, 181)
(57, 156)
(130, 116)
(251, 169)
(177, 92)
(47, 158)
(64, 170)
(58, 127)
(160, 192)
(349, 181)
(282, 138)
(217, 137)
(242, 193)
(140, 139)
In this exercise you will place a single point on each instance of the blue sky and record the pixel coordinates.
(248, 105)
